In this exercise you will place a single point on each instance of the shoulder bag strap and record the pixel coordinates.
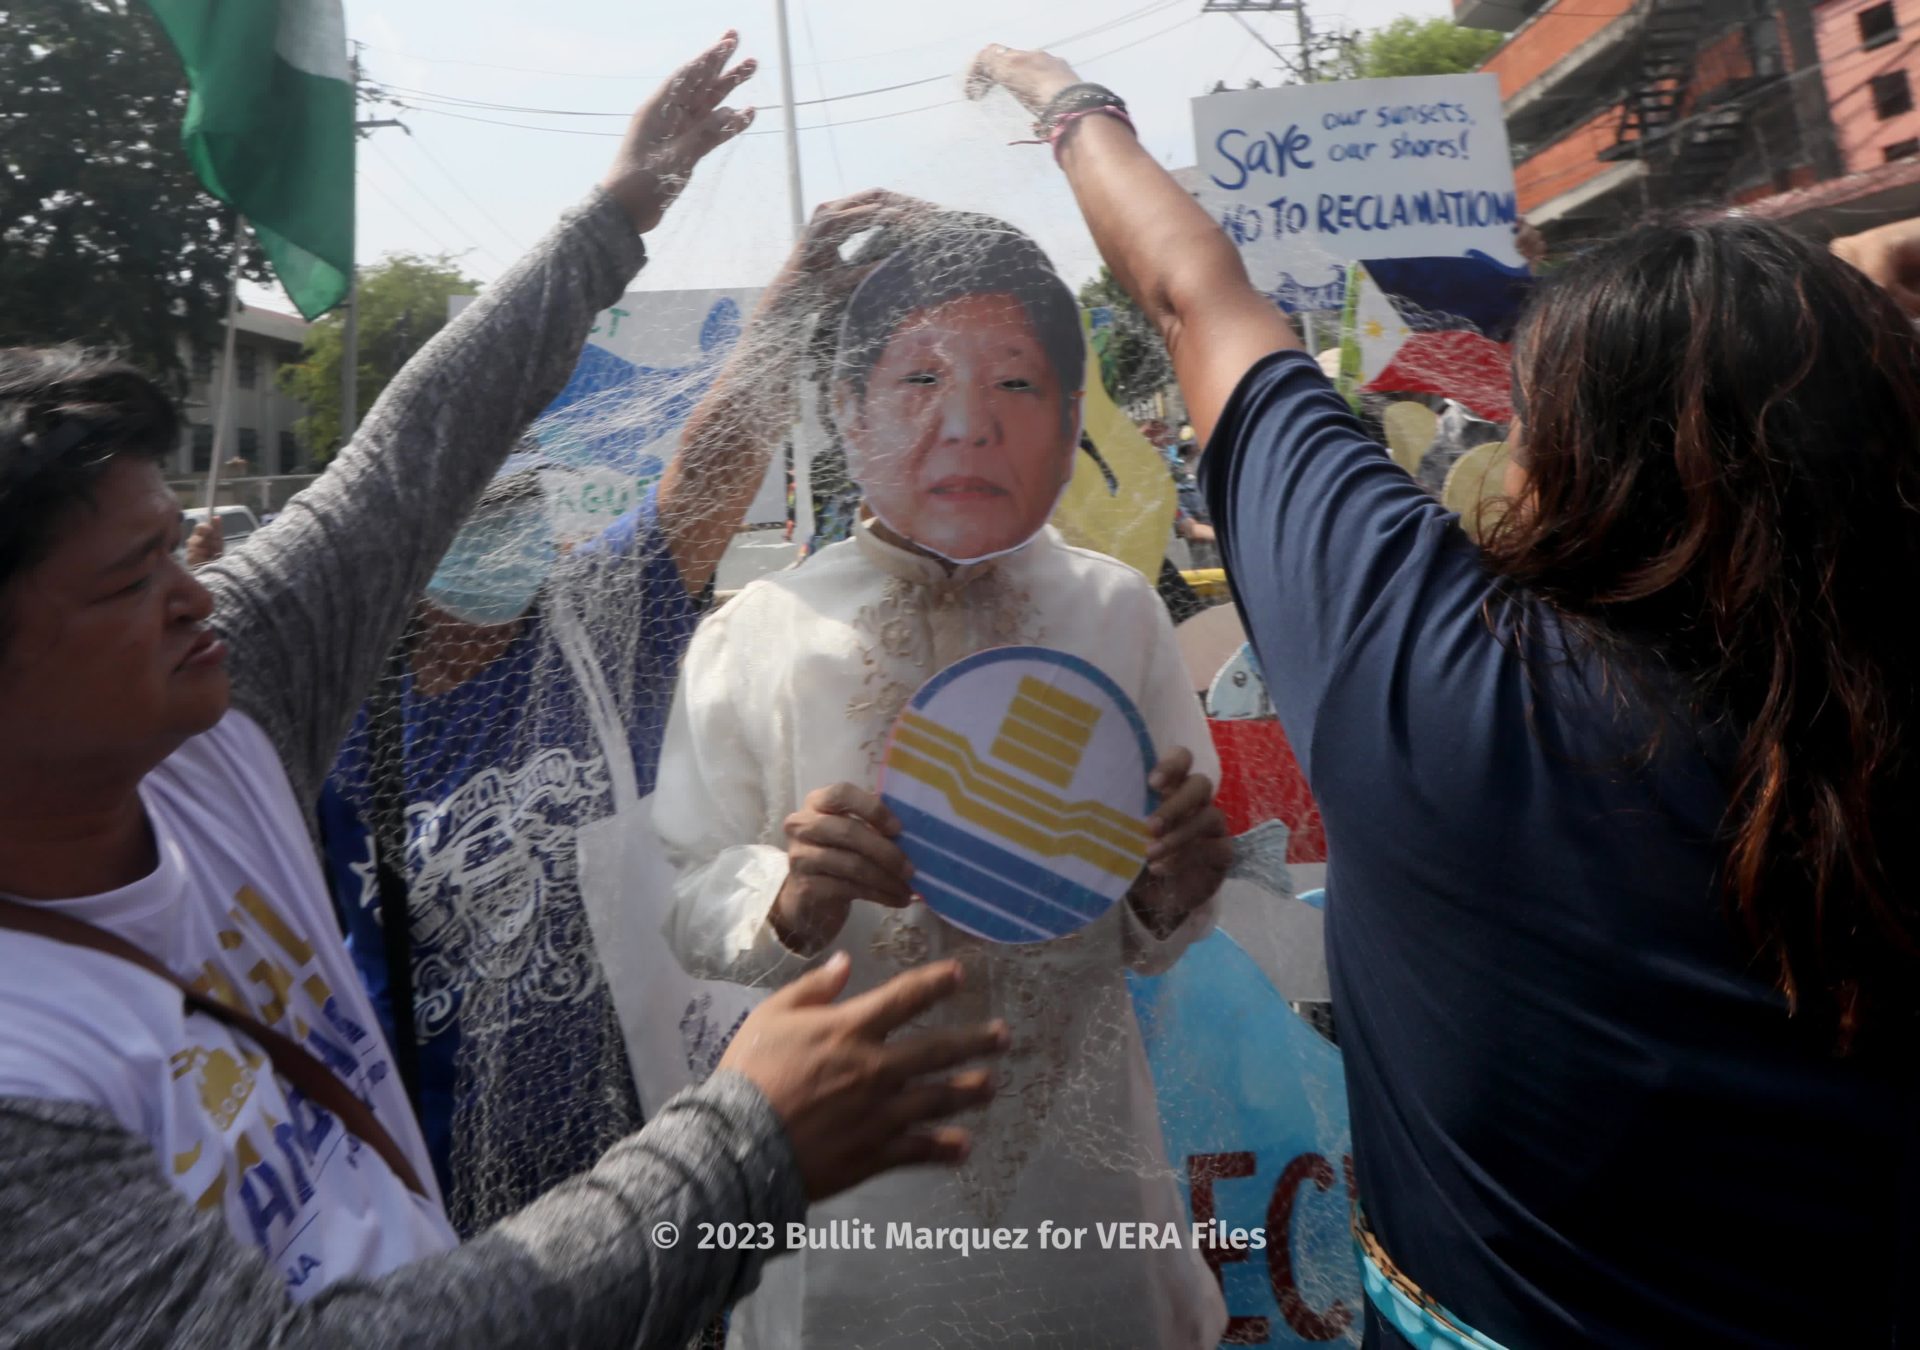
(315, 1081)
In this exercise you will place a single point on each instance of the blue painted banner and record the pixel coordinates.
(1253, 1107)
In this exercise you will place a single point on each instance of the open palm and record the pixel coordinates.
(675, 129)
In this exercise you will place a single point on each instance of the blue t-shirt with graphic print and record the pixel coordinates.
(519, 1050)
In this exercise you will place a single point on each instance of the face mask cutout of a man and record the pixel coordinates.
(957, 387)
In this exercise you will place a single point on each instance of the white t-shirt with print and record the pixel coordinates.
(236, 906)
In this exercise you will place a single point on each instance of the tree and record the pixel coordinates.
(1134, 364)
(403, 302)
(106, 236)
(1410, 46)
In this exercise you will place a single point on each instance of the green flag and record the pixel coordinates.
(270, 129)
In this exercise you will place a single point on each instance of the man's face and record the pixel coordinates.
(964, 437)
(105, 659)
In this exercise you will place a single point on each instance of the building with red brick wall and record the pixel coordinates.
(1617, 108)
(1867, 53)
(1867, 58)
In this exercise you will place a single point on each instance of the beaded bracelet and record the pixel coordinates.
(1074, 99)
(1063, 123)
(1069, 106)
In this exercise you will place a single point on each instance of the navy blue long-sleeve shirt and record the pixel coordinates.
(1581, 1114)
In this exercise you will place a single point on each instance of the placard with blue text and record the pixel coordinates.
(1310, 178)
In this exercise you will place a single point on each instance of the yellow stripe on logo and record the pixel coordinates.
(1032, 710)
(1046, 770)
(1058, 700)
(946, 780)
(1004, 791)
(1022, 732)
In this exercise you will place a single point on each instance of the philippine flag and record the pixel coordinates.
(1436, 326)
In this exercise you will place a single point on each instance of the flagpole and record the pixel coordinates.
(350, 320)
(223, 408)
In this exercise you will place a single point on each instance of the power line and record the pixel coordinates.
(522, 126)
(615, 135)
(409, 217)
(813, 49)
(430, 201)
(774, 131)
(458, 101)
(1106, 26)
(484, 214)
(485, 105)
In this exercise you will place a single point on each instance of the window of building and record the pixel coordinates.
(1906, 149)
(1878, 27)
(249, 444)
(289, 452)
(1892, 95)
(248, 367)
(202, 449)
(1763, 40)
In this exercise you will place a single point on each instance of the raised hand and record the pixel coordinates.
(854, 1103)
(1530, 242)
(1032, 77)
(1889, 255)
(674, 130)
(206, 543)
(815, 270)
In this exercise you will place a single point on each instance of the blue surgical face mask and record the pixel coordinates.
(496, 565)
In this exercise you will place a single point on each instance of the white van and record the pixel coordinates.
(236, 523)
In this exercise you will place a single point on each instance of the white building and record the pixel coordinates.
(262, 429)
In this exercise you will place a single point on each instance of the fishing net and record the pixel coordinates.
(897, 457)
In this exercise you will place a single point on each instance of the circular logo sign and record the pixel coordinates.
(1020, 776)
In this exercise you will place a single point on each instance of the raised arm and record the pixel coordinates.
(1890, 255)
(579, 1267)
(812, 1097)
(312, 604)
(1171, 257)
(710, 483)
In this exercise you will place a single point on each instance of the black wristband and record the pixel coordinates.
(1075, 98)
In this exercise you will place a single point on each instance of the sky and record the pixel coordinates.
(454, 181)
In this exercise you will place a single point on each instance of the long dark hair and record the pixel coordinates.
(1721, 427)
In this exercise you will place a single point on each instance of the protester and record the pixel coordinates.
(1456, 430)
(518, 1063)
(235, 1165)
(1191, 520)
(1621, 906)
(956, 382)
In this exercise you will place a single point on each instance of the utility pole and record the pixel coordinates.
(1239, 9)
(798, 481)
(350, 361)
(350, 333)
